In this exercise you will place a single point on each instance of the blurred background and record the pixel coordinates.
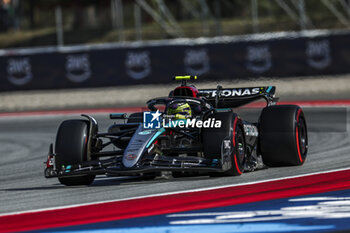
(26, 23)
(86, 47)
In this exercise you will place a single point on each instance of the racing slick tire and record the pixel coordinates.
(232, 132)
(71, 149)
(283, 135)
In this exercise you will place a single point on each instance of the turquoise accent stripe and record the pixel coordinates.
(223, 109)
(269, 89)
(160, 131)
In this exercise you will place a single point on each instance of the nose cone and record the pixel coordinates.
(137, 146)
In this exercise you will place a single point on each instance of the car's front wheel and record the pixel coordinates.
(71, 149)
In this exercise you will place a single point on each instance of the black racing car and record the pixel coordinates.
(188, 132)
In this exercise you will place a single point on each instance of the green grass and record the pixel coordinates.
(22, 38)
(152, 31)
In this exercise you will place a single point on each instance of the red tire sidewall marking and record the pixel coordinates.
(297, 135)
(234, 144)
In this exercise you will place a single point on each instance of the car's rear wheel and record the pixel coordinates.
(283, 135)
(226, 143)
(71, 149)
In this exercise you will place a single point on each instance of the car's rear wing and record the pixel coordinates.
(236, 97)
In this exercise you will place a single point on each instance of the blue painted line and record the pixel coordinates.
(326, 212)
(237, 228)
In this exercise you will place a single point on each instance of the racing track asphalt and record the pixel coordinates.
(24, 143)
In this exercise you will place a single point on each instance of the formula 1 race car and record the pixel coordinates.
(190, 131)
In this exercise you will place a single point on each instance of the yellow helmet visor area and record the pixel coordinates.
(182, 111)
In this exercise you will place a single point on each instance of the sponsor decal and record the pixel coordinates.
(78, 67)
(230, 92)
(145, 132)
(318, 54)
(130, 156)
(150, 148)
(192, 123)
(258, 58)
(138, 64)
(151, 120)
(227, 144)
(196, 61)
(154, 120)
(251, 130)
(19, 71)
(226, 161)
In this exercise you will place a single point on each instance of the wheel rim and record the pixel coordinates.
(240, 147)
(303, 143)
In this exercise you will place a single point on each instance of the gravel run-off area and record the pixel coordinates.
(305, 88)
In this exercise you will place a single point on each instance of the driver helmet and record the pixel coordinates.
(180, 110)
